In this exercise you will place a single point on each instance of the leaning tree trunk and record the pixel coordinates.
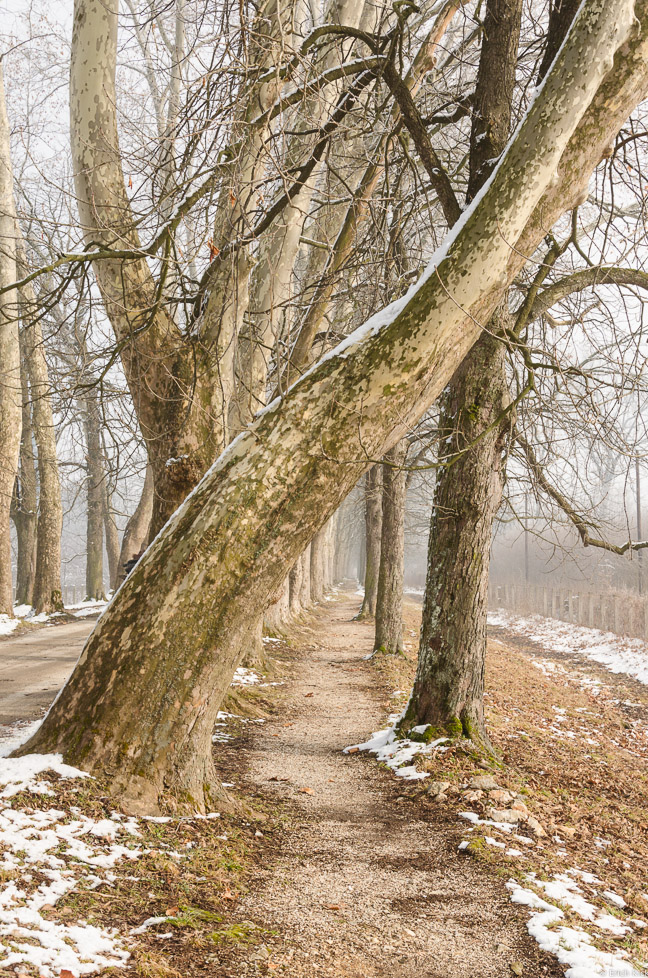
(389, 598)
(25, 502)
(449, 685)
(141, 703)
(137, 529)
(10, 384)
(47, 582)
(373, 530)
(95, 500)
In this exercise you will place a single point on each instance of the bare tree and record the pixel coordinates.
(153, 677)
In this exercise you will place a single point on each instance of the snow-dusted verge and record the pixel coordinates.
(573, 892)
(7, 624)
(399, 754)
(44, 855)
(573, 946)
(620, 655)
(48, 852)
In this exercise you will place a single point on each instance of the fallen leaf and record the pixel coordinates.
(353, 750)
(66, 973)
(307, 791)
(308, 694)
(332, 906)
(171, 911)
(517, 968)
(228, 895)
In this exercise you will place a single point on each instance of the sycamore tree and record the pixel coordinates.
(141, 703)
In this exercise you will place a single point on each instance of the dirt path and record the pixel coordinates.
(368, 883)
(34, 666)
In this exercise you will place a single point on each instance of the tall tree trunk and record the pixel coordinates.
(25, 502)
(295, 578)
(316, 567)
(449, 685)
(389, 602)
(141, 703)
(305, 589)
(95, 499)
(10, 384)
(137, 529)
(112, 537)
(373, 531)
(47, 582)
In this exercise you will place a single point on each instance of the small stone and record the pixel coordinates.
(472, 796)
(500, 797)
(484, 782)
(517, 968)
(504, 815)
(438, 787)
(440, 797)
(535, 827)
(519, 806)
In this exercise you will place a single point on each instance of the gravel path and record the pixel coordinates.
(368, 884)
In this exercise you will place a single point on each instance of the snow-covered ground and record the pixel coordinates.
(620, 655)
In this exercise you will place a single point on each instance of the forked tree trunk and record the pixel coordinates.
(141, 703)
(389, 598)
(373, 530)
(25, 501)
(449, 686)
(137, 529)
(10, 384)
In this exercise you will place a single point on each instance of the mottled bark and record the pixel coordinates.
(389, 596)
(141, 702)
(373, 529)
(449, 685)
(137, 528)
(10, 383)
(47, 596)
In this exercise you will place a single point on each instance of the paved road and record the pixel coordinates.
(33, 668)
